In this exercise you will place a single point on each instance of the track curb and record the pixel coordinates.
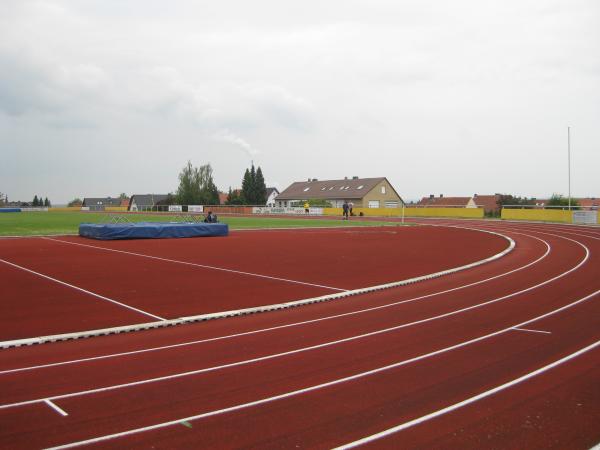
(259, 309)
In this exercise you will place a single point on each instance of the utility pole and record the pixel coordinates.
(569, 163)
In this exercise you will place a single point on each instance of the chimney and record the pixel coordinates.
(314, 179)
(431, 196)
(355, 178)
(345, 178)
(309, 180)
(475, 196)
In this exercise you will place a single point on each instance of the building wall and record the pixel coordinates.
(376, 195)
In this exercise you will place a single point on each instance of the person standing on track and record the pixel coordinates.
(351, 207)
(345, 209)
(306, 207)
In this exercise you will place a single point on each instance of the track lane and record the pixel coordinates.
(584, 277)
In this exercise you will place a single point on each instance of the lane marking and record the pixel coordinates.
(101, 297)
(468, 401)
(295, 324)
(531, 331)
(350, 378)
(56, 408)
(258, 309)
(203, 266)
(303, 349)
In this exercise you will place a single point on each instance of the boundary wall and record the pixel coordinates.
(469, 213)
(543, 215)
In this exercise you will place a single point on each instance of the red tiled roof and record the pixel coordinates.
(444, 201)
(487, 202)
(589, 202)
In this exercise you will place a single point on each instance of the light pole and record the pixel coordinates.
(569, 162)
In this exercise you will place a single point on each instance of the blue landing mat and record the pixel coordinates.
(151, 230)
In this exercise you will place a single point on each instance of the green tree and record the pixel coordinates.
(3, 199)
(35, 201)
(196, 186)
(233, 197)
(559, 200)
(46, 202)
(254, 190)
(75, 202)
(260, 188)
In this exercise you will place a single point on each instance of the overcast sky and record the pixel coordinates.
(100, 97)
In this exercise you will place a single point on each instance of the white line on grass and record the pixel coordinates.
(304, 349)
(203, 266)
(295, 324)
(355, 377)
(101, 297)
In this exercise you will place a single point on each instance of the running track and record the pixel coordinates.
(503, 355)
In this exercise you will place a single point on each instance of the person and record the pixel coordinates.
(210, 217)
(345, 209)
(351, 207)
(306, 207)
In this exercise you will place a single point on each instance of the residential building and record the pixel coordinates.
(145, 202)
(362, 192)
(272, 194)
(99, 203)
(447, 202)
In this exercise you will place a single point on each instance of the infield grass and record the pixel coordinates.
(62, 222)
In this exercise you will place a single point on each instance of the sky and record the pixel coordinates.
(100, 97)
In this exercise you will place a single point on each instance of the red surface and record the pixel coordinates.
(344, 259)
(560, 408)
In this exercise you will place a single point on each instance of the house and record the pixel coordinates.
(99, 203)
(489, 203)
(447, 202)
(591, 203)
(362, 192)
(272, 193)
(145, 202)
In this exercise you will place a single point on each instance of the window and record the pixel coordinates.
(306, 189)
(391, 204)
(373, 203)
(346, 188)
(331, 188)
(360, 187)
(383, 189)
(341, 188)
(323, 188)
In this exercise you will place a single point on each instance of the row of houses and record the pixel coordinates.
(362, 192)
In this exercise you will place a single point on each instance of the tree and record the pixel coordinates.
(233, 197)
(123, 196)
(260, 188)
(514, 201)
(254, 190)
(3, 199)
(196, 186)
(35, 202)
(559, 200)
(75, 202)
(46, 202)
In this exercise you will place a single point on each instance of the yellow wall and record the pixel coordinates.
(66, 208)
(116, 208)
(473, 213)
(546, 215)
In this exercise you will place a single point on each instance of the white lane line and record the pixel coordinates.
(295, 324)
(101, 297)
(203, 266)
(468, 401)
(258, 309)
(300, 350)
(532, 331)
(339, 381)
(56, 408)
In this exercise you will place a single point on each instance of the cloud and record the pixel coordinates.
(227, 136)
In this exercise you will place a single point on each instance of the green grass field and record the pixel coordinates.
(44, 223)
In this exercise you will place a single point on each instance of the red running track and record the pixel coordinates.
(171, 278)
(335, 373)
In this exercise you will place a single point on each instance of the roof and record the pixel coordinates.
(105, 201)
(270, 190)
(354, 188)
(223, 198)
(444, 201)
(589, 202)
(487, 202)
(147, 199)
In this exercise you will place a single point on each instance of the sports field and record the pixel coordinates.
(447, 334)
(67, 222)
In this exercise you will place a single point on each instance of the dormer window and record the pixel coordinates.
(306, 189)
(360, 187)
